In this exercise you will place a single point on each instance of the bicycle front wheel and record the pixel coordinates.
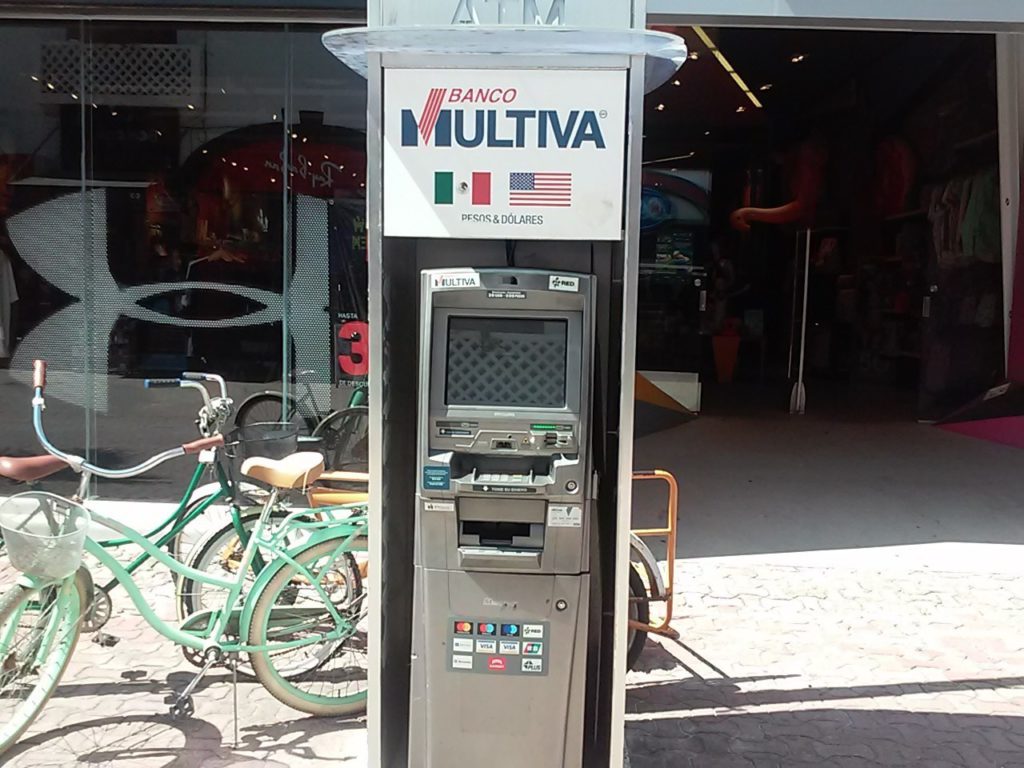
(39, 629)
(329, 674)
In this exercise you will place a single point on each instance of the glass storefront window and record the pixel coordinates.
(176, 197)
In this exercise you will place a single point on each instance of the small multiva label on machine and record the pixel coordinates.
(565, 516)
(456, 280)
(498, 647)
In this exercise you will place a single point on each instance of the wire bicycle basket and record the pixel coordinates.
(268, 440)
(44, 534)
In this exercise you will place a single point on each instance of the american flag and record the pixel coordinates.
(540, 190)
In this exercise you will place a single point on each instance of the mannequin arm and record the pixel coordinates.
(742, 217)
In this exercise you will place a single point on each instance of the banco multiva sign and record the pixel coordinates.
(521, 154)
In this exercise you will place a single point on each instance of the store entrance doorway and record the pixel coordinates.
(824, 559)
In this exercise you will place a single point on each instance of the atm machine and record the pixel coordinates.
(503, 181)
(501, 574)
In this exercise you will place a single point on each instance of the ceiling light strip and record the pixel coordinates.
(727, 66)
(660, 160)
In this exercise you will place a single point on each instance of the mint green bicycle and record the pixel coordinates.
(302, 623)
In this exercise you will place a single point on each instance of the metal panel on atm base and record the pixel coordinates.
(490, 718)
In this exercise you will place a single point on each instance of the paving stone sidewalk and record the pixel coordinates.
(787, 667)
(110, 709)
(777, 667)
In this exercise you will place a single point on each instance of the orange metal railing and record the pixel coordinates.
(669, 532)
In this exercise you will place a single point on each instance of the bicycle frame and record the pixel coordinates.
(175, 522)
(213, 636)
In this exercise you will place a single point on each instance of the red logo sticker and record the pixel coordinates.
(496, 664)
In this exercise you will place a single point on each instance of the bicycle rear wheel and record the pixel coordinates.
(344, 434)
(639, 611)
(39, 629)
(330, 675)
(267, 407)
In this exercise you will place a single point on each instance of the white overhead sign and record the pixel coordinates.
(521, 154)
(600, 14)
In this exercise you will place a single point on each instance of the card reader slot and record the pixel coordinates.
(474, 468)
(494, 534)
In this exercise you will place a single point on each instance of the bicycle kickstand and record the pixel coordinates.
(234, 696)
(183, 706)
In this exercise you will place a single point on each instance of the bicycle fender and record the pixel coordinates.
(261, 393)
(650, 564)
(318, 537)
(84, 576)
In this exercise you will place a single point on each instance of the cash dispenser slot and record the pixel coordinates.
(500, 533)
(481, 470)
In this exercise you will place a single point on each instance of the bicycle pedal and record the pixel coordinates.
(105, 640)
(182, 709)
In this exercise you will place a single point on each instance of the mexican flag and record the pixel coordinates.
(444, 188)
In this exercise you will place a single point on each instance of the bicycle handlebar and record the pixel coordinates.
(200, 388)
(218, 380)
(213, 441)
(183, 383)
(78, 463)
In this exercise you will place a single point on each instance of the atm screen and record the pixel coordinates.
(514, 362)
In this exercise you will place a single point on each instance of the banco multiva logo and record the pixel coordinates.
(488, 117)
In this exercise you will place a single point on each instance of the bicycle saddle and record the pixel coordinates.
(28, 469)
(295, 471)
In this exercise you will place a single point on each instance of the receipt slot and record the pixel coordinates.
(502, 582)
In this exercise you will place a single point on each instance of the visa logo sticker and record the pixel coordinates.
(457, 280)
(509, 647)
(564, 283)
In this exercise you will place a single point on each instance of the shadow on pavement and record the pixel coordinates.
(157, 741)
(700, 693)
(827, 738)
(141, 739)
